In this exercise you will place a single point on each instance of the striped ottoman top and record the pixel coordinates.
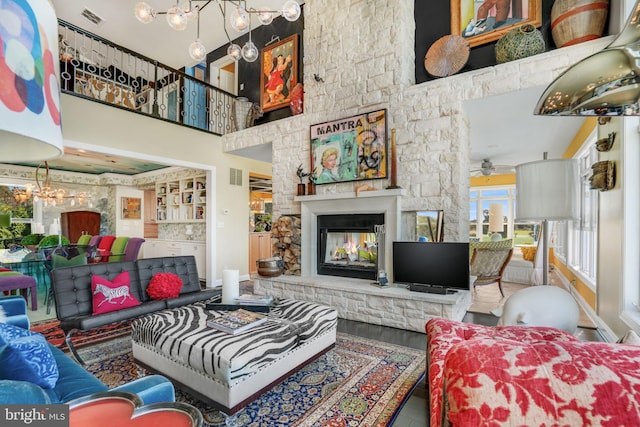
(182, 335)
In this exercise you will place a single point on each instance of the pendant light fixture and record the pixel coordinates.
(249, 50)
(197, 51)
(239, 17)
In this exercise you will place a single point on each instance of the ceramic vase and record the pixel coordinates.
(519, 43)
(301, 189)
(297, 99)
(577, 21)
(241, 107)
(311, 188)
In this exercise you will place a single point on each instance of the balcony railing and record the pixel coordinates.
(96, 69)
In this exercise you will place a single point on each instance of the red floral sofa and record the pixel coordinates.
(533, 376)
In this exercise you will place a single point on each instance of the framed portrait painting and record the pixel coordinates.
(484, 21)
(131, 208)
(279, 73)
(350, 149)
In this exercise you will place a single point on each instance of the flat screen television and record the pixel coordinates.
(434, 267)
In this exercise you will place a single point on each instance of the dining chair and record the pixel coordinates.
(133, 249)
(84, 240)
(104, 247)
(118, 248)
(488, 265)
(95, 240)
(58, 257)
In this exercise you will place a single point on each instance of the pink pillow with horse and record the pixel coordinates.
(112, 295)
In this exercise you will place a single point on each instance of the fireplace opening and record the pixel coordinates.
(347, 245)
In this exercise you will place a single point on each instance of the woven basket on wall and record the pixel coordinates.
(519, 43)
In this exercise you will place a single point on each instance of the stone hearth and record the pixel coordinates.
(357, 299)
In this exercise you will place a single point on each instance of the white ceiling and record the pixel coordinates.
(157, 40)
(503, 127)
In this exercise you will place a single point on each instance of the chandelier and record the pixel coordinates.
(239, 18)
(49, 195)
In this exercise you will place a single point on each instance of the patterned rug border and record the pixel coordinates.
(368, 364)
(55, 335)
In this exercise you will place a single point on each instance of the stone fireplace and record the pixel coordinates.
(355, 298)
(383, 204)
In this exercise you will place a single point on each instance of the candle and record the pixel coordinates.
(230, 286)
(394, 177)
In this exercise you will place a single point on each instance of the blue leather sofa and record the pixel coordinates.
(73, 380)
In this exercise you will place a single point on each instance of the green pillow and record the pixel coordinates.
(58, 261)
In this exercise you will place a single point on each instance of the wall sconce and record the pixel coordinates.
(604, 175)
(605, 144)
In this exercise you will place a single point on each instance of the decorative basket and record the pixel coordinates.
(519, 43)
(577, 21)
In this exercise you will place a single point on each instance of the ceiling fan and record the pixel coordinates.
(487, 168)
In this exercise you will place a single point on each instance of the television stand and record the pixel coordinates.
(429, 289)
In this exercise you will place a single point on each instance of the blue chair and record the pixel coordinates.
(15, 311)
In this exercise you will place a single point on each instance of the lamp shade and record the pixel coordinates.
(547, 189)
(496, 218)
(29, 71)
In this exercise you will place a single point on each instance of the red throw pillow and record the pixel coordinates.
(112, 295)
(164, 285)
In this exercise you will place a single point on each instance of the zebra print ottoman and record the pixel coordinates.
(227, 370)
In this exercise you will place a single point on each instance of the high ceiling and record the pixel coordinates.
(503, 127)
(157, 40)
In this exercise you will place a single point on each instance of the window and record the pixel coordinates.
(576, 242)
(522, 233)
(21, 215)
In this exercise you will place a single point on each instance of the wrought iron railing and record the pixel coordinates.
(96, 69)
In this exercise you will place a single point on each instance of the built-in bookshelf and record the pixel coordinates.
(181, 200)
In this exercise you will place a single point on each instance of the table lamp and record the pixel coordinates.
(496, 221)
(546, 191)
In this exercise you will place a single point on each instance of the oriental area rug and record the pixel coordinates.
(360, 382)
(52, 332)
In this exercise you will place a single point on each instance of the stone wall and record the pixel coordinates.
(364, 51)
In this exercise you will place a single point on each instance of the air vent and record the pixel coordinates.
(91, 16)
(235, 176)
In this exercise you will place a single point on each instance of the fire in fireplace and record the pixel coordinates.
(347, 245)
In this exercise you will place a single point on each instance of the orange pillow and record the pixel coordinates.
(528, 253)
(112, 295)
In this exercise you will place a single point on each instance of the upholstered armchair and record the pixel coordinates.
(488, 265)
(527, 268)
(498, 244)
